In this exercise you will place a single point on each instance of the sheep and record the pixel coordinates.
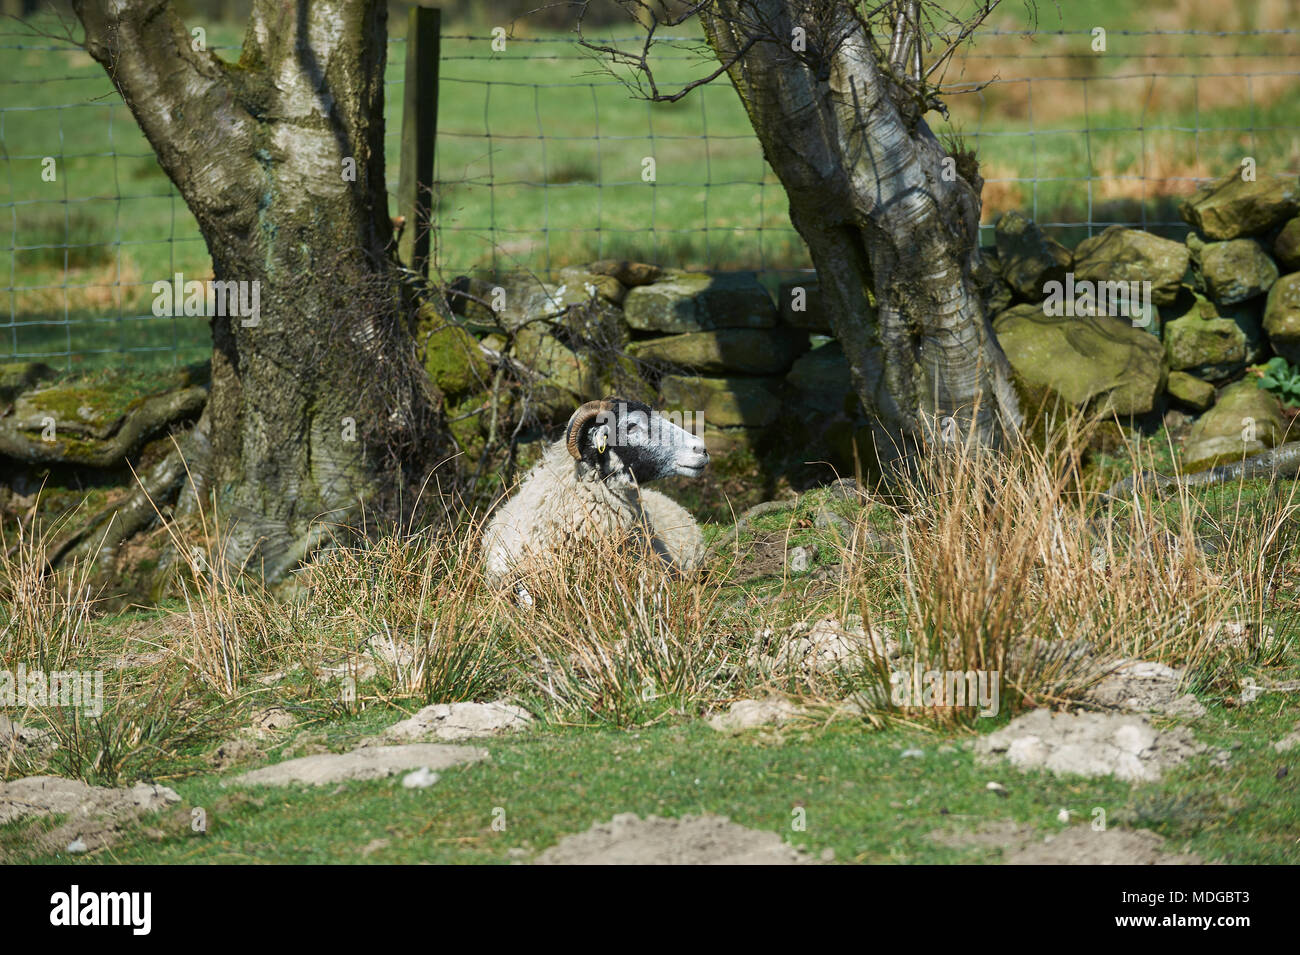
(588, 486)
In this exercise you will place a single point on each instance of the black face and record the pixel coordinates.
(633, 439)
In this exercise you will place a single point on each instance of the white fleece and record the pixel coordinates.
(555, 506)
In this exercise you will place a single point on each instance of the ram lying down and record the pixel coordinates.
(588, 486)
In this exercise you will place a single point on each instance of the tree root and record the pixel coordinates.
(1281, 462)
(100, 537)
(145, 421)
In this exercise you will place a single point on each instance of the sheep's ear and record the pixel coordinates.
(579, 420)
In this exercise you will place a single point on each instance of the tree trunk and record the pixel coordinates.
(318, 406)
(885, 220)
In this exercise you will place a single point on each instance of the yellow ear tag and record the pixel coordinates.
(601, 444)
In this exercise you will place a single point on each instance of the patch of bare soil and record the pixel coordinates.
(265, 723)
(1089, 744)
(95, 814)
(765, 557)
(628, 839)
(1016, 844)
(26, 742)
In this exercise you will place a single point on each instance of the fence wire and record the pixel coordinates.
(544, 160)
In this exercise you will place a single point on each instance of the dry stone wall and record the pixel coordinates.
(765, 371)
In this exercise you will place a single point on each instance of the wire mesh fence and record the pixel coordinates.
(544, 159)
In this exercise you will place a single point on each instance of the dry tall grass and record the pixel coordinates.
(1011, 564)
(1005, 562)
(44, 616)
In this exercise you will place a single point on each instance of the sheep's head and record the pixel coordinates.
(618, 436)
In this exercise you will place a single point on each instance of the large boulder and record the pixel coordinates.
(744, 351)
(1282, 317)
(1099, 363)
(724, 402)
(1203, 343)
(1130, 255)
(1286, 247)
(1245, 420)
(1231, 207)
(822, 378)
(1236, 270)
(698, 301)
(1029, 259)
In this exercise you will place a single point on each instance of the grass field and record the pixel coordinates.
(876, 784)
(540, 160)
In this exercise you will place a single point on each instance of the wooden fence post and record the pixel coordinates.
(419, 135)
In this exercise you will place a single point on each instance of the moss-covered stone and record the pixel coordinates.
(468, 421)
(744, 351)
(559, 365)
(1189, 391)
(1286, 247)
(516, 300)
(17, 377)
(799, 302)
(452, 356)
(1202, 343)
(594, 325)
(724, 402)
(620, 375)
(631, 274)
(730, 441)
(593, 284)
(699, 301)
(822, 380)
(1102, 364)
(994, 291)
(1029, 259)
(1130, 255)
(1236, 270)
(1231, 207)
(1245, 420)
(1282, 317)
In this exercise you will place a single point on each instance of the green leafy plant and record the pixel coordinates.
(1282, 379)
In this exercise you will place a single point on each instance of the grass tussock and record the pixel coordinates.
(44, 615)
(626, 642)
(1010, 562)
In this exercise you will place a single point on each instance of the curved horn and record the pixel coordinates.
(579, 420)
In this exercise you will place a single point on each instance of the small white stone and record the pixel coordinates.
(422, 778)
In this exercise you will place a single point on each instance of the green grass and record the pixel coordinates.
(862, 799)
(525, 183)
